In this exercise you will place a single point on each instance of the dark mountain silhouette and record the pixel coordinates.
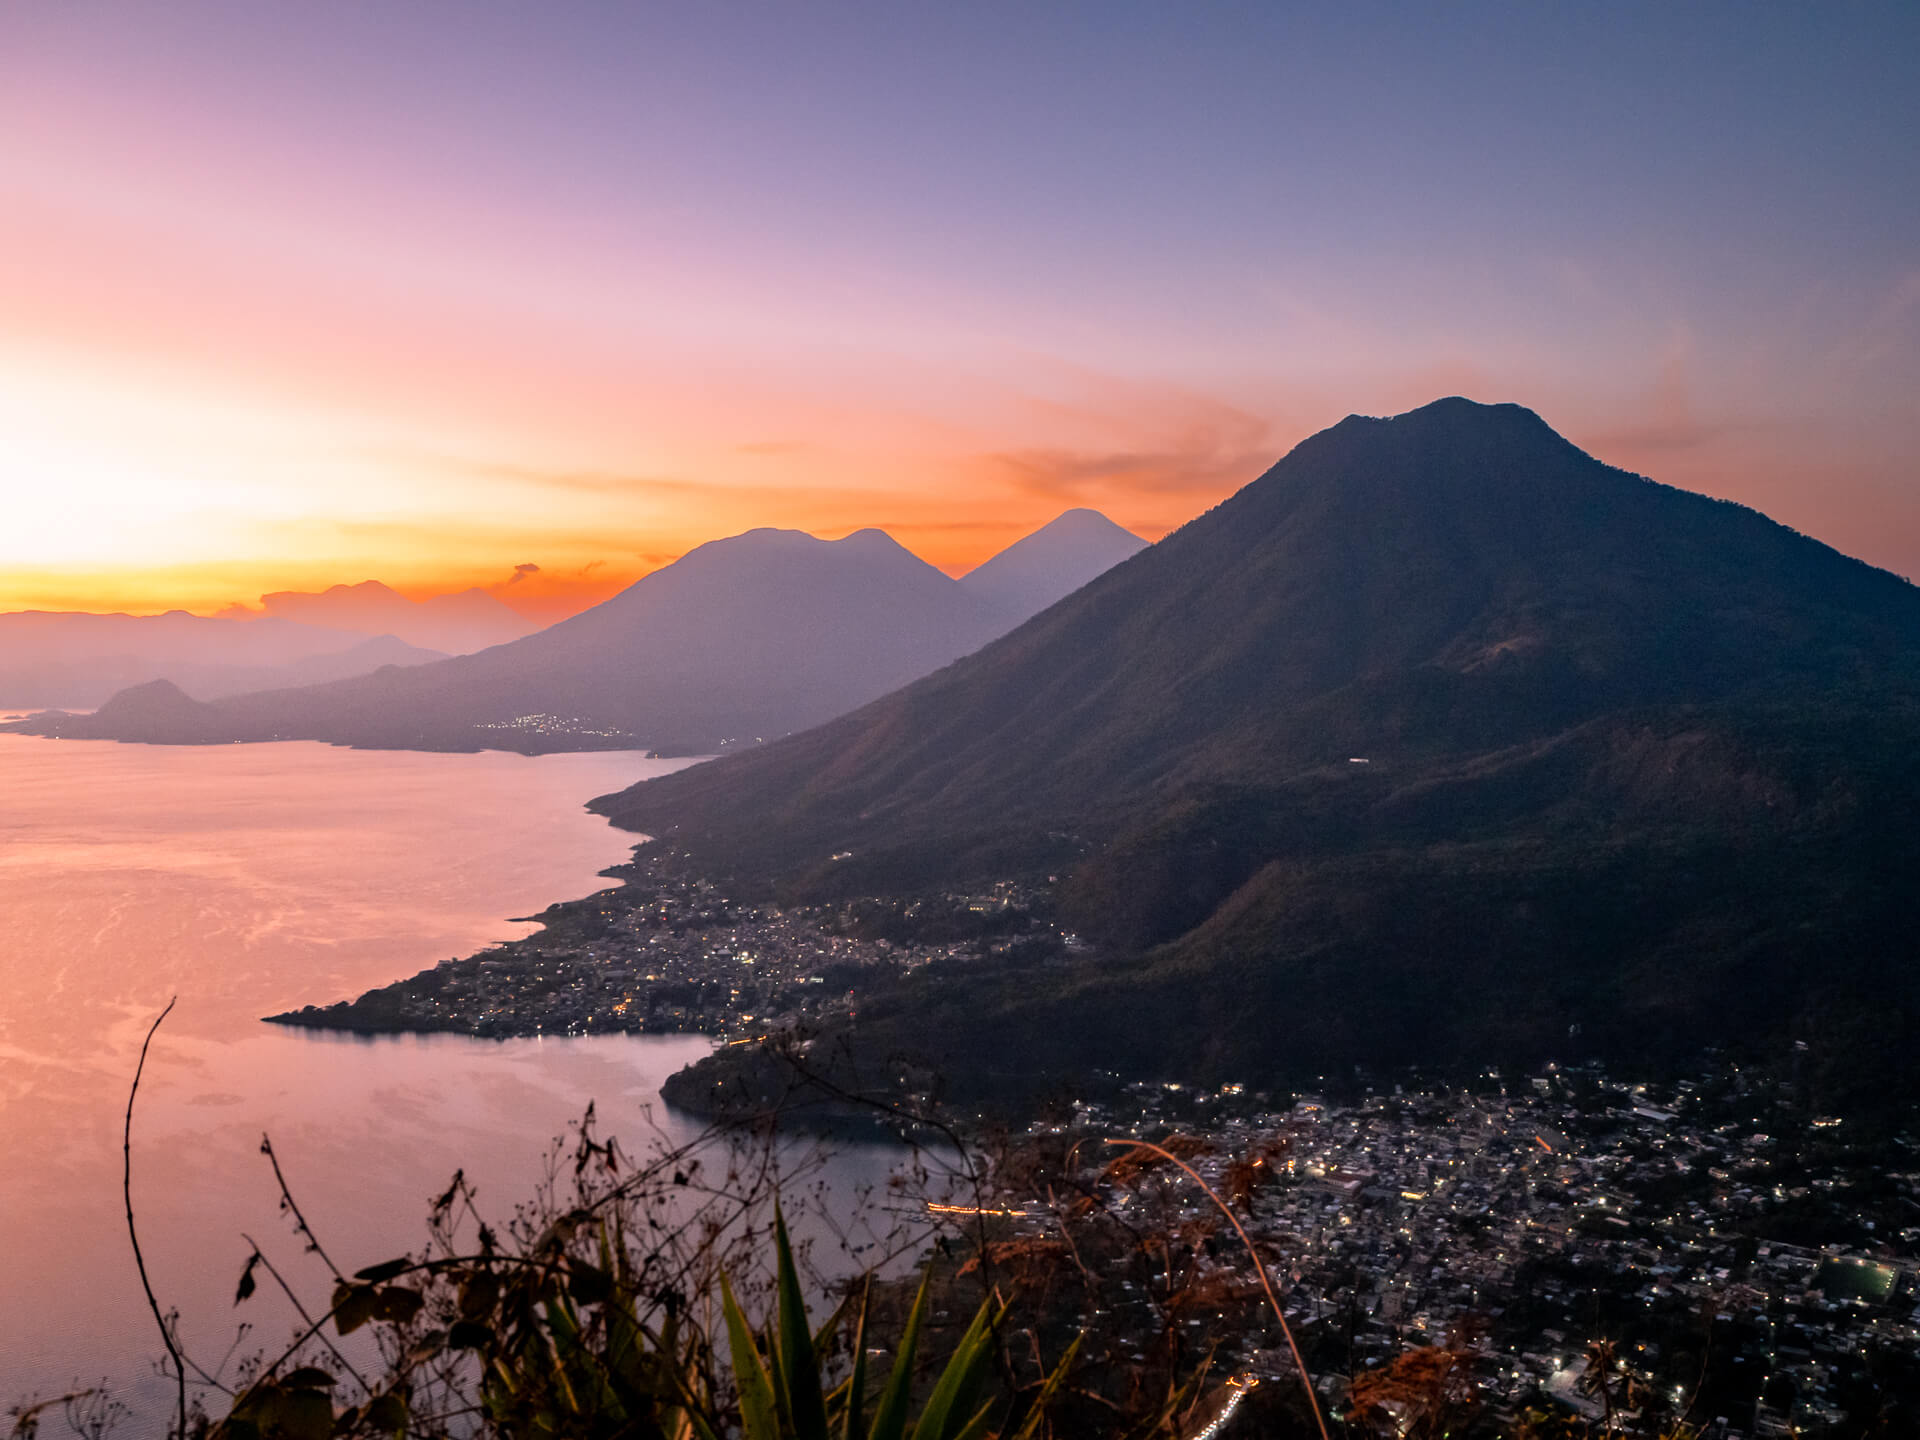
(1436, 742)
(739, 641)
(53, 658)
(158, 711)
(1051, 563)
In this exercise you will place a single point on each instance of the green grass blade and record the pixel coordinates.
(1030, 1427)
(806, 1406)
(890, 1418)
(977, 1426)
(854, 1420)
(953, 1392)
(759, 1413)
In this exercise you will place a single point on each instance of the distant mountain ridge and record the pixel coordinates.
(78, 660)
(454, 624)
(739, 641)
(1451, 581)
(1441, 738)
(1051, 563)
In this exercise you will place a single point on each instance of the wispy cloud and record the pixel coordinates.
(1193, 456)
(1667, 420)
(1126, 438)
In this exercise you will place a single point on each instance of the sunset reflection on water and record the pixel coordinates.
(248, 879)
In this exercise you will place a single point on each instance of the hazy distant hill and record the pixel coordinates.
(78, 660)
(455, 624)
(740, 640)
(1440, 739)
(1051, 563)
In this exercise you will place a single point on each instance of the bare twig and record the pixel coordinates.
(126, 1191)
(1066, 1234)
(300, 1309)
(293, 1208)
(1259, 1268)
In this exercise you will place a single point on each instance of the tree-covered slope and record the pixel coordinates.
(1449, 582)
(1637, 772)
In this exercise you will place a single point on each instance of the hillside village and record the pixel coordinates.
(1745, 1265)
(1706, 1227)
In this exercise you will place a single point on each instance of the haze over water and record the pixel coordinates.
(248, 880)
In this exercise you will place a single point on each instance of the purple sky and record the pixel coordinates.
(299, 294)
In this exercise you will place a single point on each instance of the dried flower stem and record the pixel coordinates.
(1259, 1268)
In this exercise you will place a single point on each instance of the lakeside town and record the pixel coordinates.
(1572, 1243)
(1588, 1245)
(670, 951)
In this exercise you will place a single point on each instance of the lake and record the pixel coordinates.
(246, 880)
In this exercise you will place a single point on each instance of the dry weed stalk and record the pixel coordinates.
(1260, 1269)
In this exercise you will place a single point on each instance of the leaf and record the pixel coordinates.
(246, 1286)
(1037, 1411)
(953, 1392)
(388, 1412)
(469, 1335)
(308, 1377)
(397, 1304)
(977, 1426)
(805, 1403)
(854, 1421)
(823, 1333)
(305, 1415)
(759, 1414)
(352, 1306)
(445, 1202)
(588, 1284)
(480, 1294)
(258, 1403)
(890, 1417)
(385, 1270)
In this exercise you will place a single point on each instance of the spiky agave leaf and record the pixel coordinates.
(947, 1413)
(799, 1365)
(853, 1418)
(890, 1416)
(759, 1410)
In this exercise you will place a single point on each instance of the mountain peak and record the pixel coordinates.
(1040, 569)
(872, 541)
(1455, 577)
(1452, 421)
(1610, 729)
(155, 710)
(1451, 410)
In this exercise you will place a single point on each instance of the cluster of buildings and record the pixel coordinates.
(1745, 1265)
(671, 951)
(1703, 1248)
(569, 726)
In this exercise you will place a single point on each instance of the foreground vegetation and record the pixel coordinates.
(664, 1297)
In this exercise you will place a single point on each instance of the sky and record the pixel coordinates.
(437, 291)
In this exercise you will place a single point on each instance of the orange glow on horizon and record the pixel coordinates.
(198, 414)
(283, 306)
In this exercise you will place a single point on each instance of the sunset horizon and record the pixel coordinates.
(1234, 685)
(424, 297)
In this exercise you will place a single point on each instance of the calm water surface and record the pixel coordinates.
(246, 880)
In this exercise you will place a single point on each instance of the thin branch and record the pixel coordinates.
(307, 1318)
(299, 1220)
(126, 1191)
(1259, 1268)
